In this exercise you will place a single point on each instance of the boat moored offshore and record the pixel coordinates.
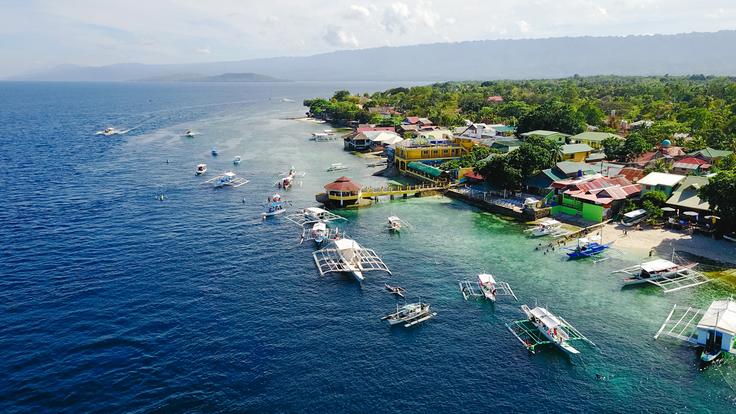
(410, 314)
(201, 169)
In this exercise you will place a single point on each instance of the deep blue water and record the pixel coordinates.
(114, 301)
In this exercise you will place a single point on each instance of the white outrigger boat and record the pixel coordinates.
(228, 179)
(486, 287)
(313, 215)
(327, 135)
(275, 207)
(320, 233)
(201, 169)
(236, 160)
(395, 224)
(542, 327)
(549, 227)
(338, 166)
(189, 134)
(410, 314)
(714, 330)
(665, 274)
(347, 256)
(109, 131)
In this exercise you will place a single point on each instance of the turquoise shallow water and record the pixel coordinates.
(112, 301)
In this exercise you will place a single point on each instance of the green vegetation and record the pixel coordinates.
(471, 159)
(652, 202)
(720, 192)
(508, 171)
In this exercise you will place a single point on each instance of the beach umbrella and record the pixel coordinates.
(668, 209)
(711, 217)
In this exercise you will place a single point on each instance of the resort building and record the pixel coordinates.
(717, 328)
(342, 192)
(711, 155)
(364, 141)
(554, 136)
(691, 166)
(593, 198)
(576, 152)
(593, 139)
(373, 127)
(485, 131)
(686, 198)
(663, 182)
(408, 153)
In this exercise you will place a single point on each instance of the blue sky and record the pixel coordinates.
(37, 34)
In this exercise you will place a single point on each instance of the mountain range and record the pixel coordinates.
(679, 54)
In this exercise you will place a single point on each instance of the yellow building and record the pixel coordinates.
(593, 138)
(576, 152)
(427, 152)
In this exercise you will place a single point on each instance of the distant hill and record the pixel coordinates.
(680, 54)
(225, 77)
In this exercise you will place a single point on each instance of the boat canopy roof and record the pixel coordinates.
(315, 210)
(550, 223)
(345, 244)
(635, 213)
(486, 278)
(548, 319)
(721, 316)
(657, 265)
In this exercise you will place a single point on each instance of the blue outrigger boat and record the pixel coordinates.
(586, 248)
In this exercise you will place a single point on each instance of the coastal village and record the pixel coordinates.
(581, 194)
(582, 188)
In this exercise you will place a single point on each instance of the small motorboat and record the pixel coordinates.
(110, 131)
(396, 290)
(189, 133)
(275, 206)
(394, 224)
(710, 356)
(227, 179)
(236, 160)
(286, 181)
(338, 166)
(201, 169)
(214, 152)
(546, 228)
(410, 314)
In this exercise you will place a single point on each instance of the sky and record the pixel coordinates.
(38, 34)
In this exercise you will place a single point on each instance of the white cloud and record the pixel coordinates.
(396, 18)
(336, 36)
(523, 26)
(358, 12)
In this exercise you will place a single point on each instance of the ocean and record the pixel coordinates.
(112, 300)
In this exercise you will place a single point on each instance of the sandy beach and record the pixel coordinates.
(641, 242)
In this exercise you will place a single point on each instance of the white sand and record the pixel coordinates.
(641, 242)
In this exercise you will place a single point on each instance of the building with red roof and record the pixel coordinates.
(690, 166)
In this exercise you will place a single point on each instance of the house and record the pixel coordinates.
(373, 127)
(484, 131)
(685, 197)
(665, 152)
(435, 135)
(690, 166)
(609, 169)
(555, 136)
(711, 155)
(494, 99)
(423, 122)
(717, 327)
(409, 129)
(632, 174)
(594, 139)
(576, 152)
(661, 182)
(411, 120)
(594, 198)
(506, 146)
(542, 182)
(595, 157)
(363, 141)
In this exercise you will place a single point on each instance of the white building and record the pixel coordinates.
(717, 327)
